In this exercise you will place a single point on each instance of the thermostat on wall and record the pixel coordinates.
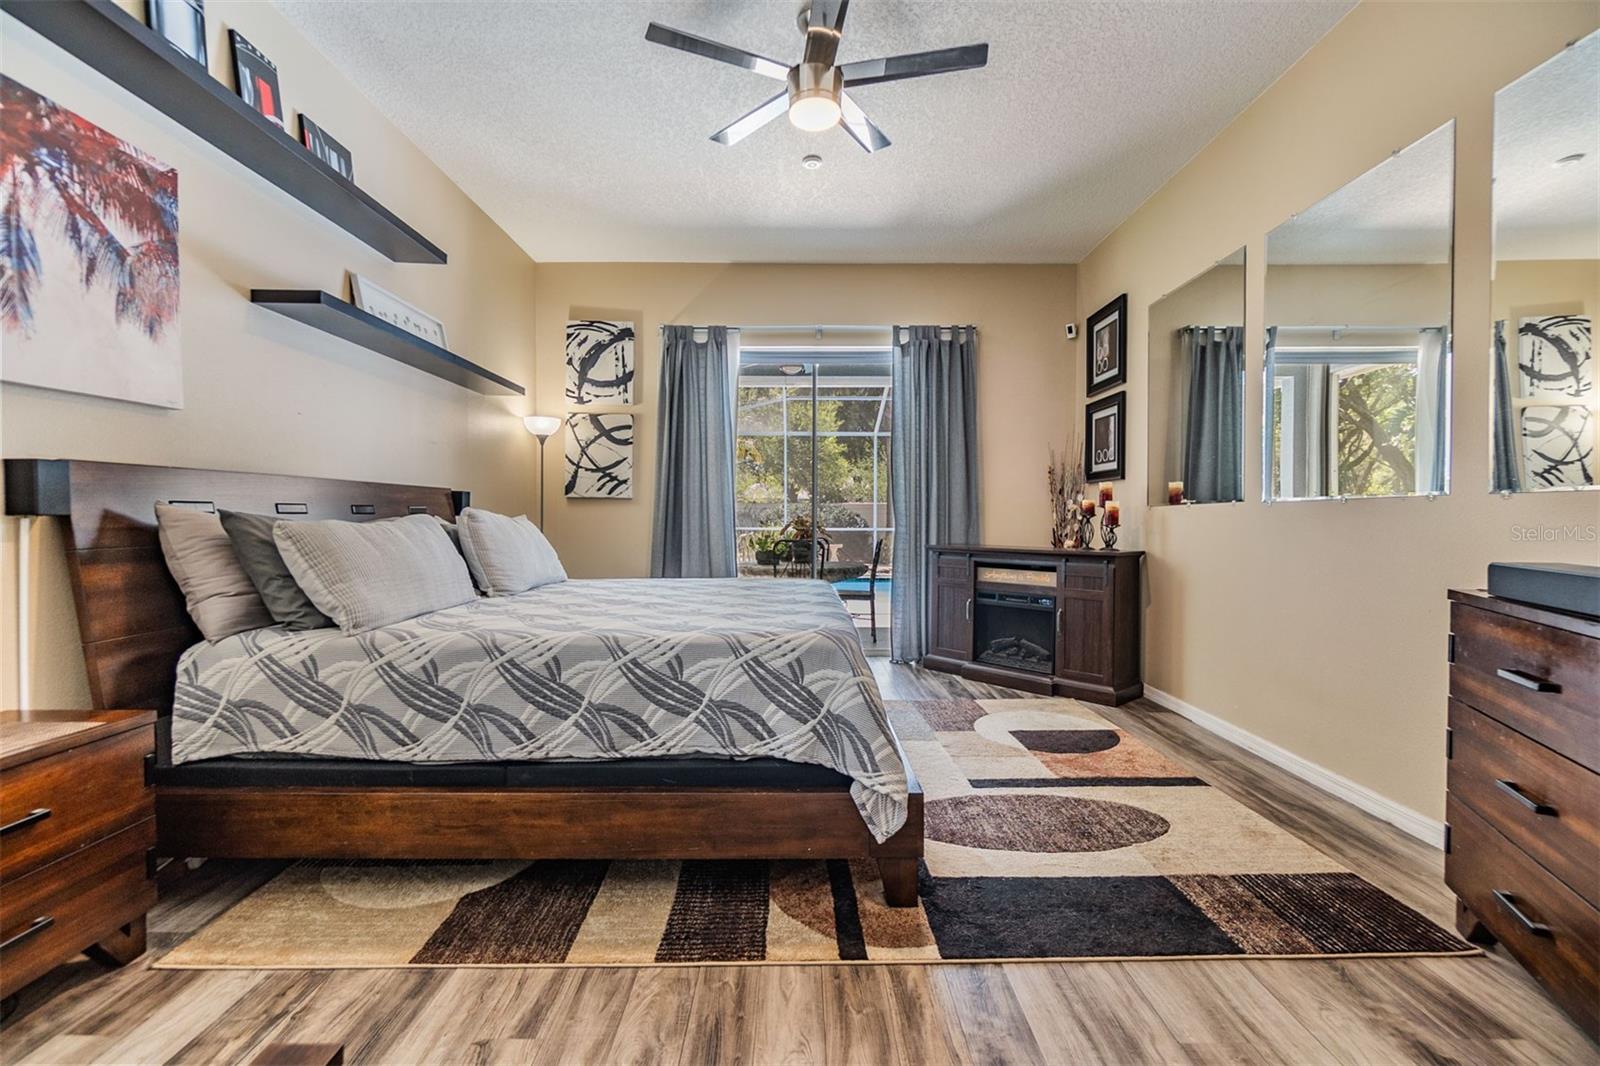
(1072, 331)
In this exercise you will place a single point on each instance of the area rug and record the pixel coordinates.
(1051, 834)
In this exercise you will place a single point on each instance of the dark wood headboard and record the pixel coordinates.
(131, 615)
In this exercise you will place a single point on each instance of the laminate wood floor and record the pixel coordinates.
(1462, 1010)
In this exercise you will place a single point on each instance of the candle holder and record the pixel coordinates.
(1108, 536)
(1085, 532)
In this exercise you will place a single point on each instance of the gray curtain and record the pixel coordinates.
(694, 456)
(1504, 470)
(933, 466)
(1433, 355)
(1213, 445)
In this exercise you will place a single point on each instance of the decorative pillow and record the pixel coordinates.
(258, 553)
(507, 555)
(370, 574)
(218, 592)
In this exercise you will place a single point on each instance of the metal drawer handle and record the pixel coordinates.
(1509, 902)
(38, 814)
(1527, 680)
(35, 927)
(1511, 789)
(969, 608)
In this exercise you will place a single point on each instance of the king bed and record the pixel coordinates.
(587, 719)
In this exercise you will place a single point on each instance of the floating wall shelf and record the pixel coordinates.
(122, 48)
(348, 322)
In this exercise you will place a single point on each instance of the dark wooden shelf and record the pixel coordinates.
(348, 322)
(128, 52)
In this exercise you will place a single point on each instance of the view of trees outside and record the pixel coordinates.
(1378, 431)
(773, 477)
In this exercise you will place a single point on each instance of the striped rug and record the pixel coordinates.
(1051, 834)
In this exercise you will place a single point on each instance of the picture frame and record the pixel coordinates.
(380, 303)
(1106, 347)
(1105, 438)
(599, 456)
(600, 362)
(332, 154)
(182, 24)
(257, 79)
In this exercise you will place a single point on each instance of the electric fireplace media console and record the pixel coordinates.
(1062, 623)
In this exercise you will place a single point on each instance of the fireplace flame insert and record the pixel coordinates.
(1015, 630)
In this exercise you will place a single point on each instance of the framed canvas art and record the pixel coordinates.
(258, 79)
(182, 23)
(379, 302)
(1106, 355)
(335, 155)
(600, 457)
(1106, 438)
(599, 362)
(89, 274)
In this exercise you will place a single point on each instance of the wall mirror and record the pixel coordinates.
(1357, 388)
(1197, 380)
(1543, 405)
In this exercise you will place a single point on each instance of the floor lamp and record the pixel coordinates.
(541, 426)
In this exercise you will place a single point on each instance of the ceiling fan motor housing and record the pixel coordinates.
(815, 80)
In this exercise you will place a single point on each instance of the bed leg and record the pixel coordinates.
(899, 878)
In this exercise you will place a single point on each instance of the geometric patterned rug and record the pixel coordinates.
(1051, 834)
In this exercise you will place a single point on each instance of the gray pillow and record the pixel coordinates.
(220, 597)
(258, 553)
(370, 574)
(507, 555)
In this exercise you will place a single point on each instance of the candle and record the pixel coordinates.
(1105, 492)
(1174, 492)
(1088, 507)
(1113, 515)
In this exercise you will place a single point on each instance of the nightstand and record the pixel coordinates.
(77, 822)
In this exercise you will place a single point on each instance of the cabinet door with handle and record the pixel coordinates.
(951, 609)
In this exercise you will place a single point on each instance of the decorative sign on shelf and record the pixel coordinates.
(89, 279)
(258, 79)
(381, 303)
(325, 148)
(600, 457)
(599, 362)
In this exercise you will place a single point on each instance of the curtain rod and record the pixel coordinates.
(813, 329)
(1356, 329)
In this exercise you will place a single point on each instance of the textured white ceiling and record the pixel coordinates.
(1544, 211)
(1397, 212)
(585, 142)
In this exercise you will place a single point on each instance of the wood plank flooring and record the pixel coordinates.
(1471, 1010)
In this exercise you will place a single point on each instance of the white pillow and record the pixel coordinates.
(369, 574)
(507, 555)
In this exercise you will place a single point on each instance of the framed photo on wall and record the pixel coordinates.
(1106, 354)
(1105, 438)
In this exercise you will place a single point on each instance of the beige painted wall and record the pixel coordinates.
(1320, 626)
(262, 392)
(1026, 370)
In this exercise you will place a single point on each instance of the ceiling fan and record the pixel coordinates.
(815, 98)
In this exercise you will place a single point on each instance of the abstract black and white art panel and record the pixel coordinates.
(1558, 446)
(600, 457)
(1555, 356)
(599, 362)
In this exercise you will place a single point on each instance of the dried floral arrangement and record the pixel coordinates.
(1065, 478)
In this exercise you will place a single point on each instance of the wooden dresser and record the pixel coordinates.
(1522, 851)
(77, 822)
(1079, 612)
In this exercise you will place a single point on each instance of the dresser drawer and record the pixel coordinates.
(1544, 804)
(89, 792)
(58, 910)
(1544, 924)
(1541, 681)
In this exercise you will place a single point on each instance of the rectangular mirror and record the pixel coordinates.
(1543, 405)
(1357, 387)
(1197, 382)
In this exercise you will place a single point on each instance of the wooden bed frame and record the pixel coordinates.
(134, 626)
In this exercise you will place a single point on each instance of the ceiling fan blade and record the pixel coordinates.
(740, 128)
(823, 27)
(859, 126)
(722, 53)
(915, 65)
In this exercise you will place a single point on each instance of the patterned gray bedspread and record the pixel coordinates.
(577, 670)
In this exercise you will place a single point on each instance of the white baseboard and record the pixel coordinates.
(1428, 830)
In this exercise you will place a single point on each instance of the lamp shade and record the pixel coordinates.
(541, 426)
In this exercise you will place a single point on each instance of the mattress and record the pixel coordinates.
(622, 669)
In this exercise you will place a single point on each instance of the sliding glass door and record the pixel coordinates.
(812, 482)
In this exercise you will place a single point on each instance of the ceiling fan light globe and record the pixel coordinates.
(814, 113)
